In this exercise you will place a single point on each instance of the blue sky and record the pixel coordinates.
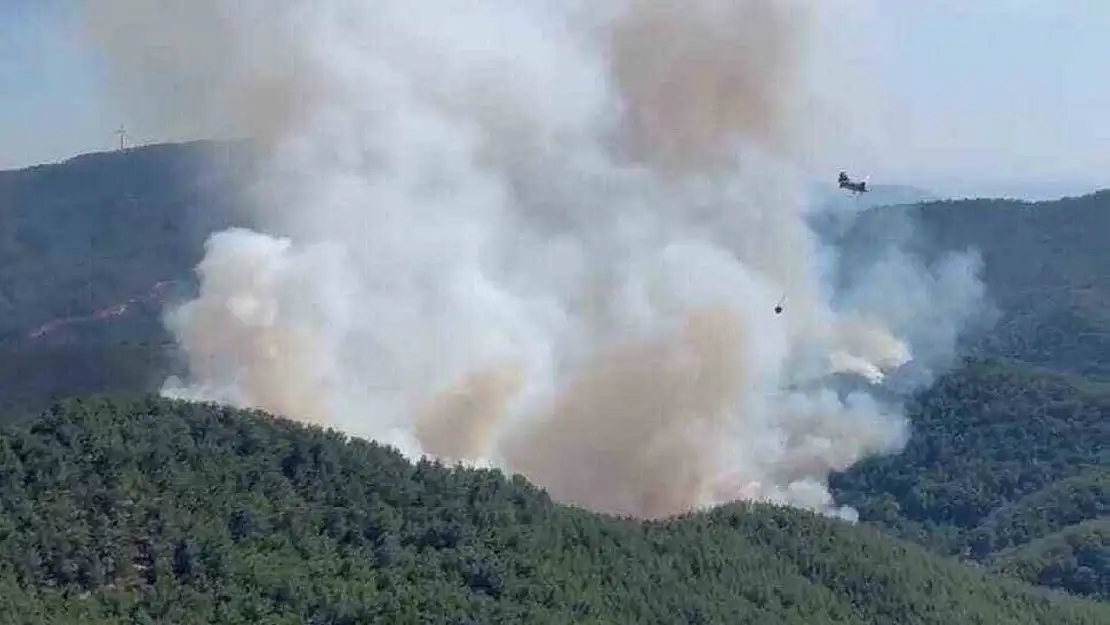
(1000, 89)
(52, 104)
(962, 96)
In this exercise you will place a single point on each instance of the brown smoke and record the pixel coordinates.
(459, 424)
(634, 432)
(236, 333)
(273, 370)
(696, 76)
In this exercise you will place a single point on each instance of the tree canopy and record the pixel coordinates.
(151, 510)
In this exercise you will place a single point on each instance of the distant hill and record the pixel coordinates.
(157, 511)
(97, 230)
(108, 228)
(105, 230)
(1045, 264)
(90, 251)
(829, 197)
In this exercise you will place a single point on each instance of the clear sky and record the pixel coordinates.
(52, 102)
(996, 91)
(962, 96)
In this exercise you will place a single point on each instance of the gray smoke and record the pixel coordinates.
(545, 236)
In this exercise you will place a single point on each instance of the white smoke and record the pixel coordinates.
(546, 236)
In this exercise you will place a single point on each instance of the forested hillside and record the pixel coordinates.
(1001, 454)
(1008, 468)
(92, 232)
(91, 249)
(1045, 265)
(1010, 457)
(156, 511)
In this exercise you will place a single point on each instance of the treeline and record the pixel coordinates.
(153, 511)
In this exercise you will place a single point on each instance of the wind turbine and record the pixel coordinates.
(123, 137)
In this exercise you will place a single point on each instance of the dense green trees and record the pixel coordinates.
(1055, 507)
(986, 437)
(1076, 559)
(1003, 458)
(159, 511)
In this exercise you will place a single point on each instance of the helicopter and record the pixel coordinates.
(856, 187)
(844, 182)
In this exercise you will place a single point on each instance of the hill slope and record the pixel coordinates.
(156, 511)
(97, 230)
(1002, 453)
(90, 251)
(1044, 264)
(1076, 559)
(102, 230)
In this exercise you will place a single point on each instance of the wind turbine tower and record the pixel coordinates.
(123, 137)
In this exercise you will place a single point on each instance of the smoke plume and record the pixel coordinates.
(545, 236)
